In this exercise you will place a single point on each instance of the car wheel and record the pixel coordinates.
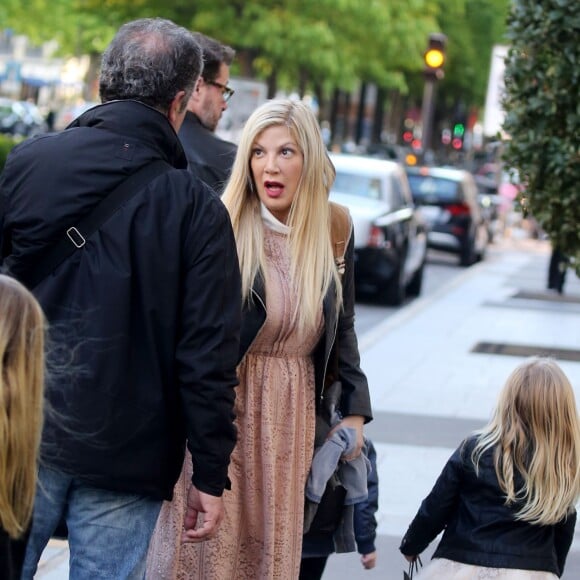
(416, 283)
(467, 255)
(394, 291)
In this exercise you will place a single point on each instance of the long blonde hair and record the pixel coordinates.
(22, 329)
(313, 269)
(535, 431)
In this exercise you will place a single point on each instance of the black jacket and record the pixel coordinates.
(355, 391)
(209, 157)
(147, 314)
(479, 528)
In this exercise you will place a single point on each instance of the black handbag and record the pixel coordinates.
(330, 509)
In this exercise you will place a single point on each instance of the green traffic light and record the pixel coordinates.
(458, 130)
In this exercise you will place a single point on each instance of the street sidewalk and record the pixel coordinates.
(430, 389)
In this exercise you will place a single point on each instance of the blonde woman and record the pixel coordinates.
(21, 405)
(506, 497)
(295, 308)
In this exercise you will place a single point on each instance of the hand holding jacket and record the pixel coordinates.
(355, 422)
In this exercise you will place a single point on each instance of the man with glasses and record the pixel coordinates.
(210, 158)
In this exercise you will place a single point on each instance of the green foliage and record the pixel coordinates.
(325, 44)
(543, 115)
(77, 29)
(335, 43)
(472, 28)
(6, 144)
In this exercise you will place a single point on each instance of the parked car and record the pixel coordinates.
(20, 118)
(448, 198)
(389, 233)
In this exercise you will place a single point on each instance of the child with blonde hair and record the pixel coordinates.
(506, 496)
(21, 406)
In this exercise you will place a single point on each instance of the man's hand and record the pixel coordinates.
(354, 422)
(210, 507)
(369, 561)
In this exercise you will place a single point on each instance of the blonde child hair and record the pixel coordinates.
(312, 262)
(535, 431)
(22, 328)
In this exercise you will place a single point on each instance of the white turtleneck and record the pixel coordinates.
(272, 222)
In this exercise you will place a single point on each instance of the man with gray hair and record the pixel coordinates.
(209, 157)
(147, 307)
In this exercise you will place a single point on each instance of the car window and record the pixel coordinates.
(428, 189)
(356, 184)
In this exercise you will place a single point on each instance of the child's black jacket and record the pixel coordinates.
(480, 529)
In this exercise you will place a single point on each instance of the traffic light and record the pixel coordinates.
(434, 56)
(458, 135)
(458, 130)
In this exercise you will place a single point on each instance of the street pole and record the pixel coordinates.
(434, 58)
(427, 116)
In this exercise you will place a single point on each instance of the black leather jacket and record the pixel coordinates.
(355, 391)
(209, 157)
(147, 313)
(479, 528)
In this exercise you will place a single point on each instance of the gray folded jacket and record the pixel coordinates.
(353, 474)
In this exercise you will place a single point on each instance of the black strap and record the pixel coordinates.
(76, 236)
(414, 566)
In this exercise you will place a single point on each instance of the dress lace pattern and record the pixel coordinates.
(443, 569)
(261, 535)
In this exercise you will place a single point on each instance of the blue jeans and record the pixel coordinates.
(108, 531)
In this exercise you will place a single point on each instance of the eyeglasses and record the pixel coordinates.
(227, 92)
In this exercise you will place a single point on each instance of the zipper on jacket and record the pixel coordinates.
(327, 359)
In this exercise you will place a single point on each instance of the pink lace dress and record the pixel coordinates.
(261, 535)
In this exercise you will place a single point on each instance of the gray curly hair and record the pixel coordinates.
(150, 60)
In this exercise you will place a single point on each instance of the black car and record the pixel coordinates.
(389, 233)
(449, 201)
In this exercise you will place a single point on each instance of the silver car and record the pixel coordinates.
(389, 232)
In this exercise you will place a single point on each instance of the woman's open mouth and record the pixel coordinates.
(273, 188)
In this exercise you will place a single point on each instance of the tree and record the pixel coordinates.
(77, 30)
(472, 28)
(543, 117)
(326, 46)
